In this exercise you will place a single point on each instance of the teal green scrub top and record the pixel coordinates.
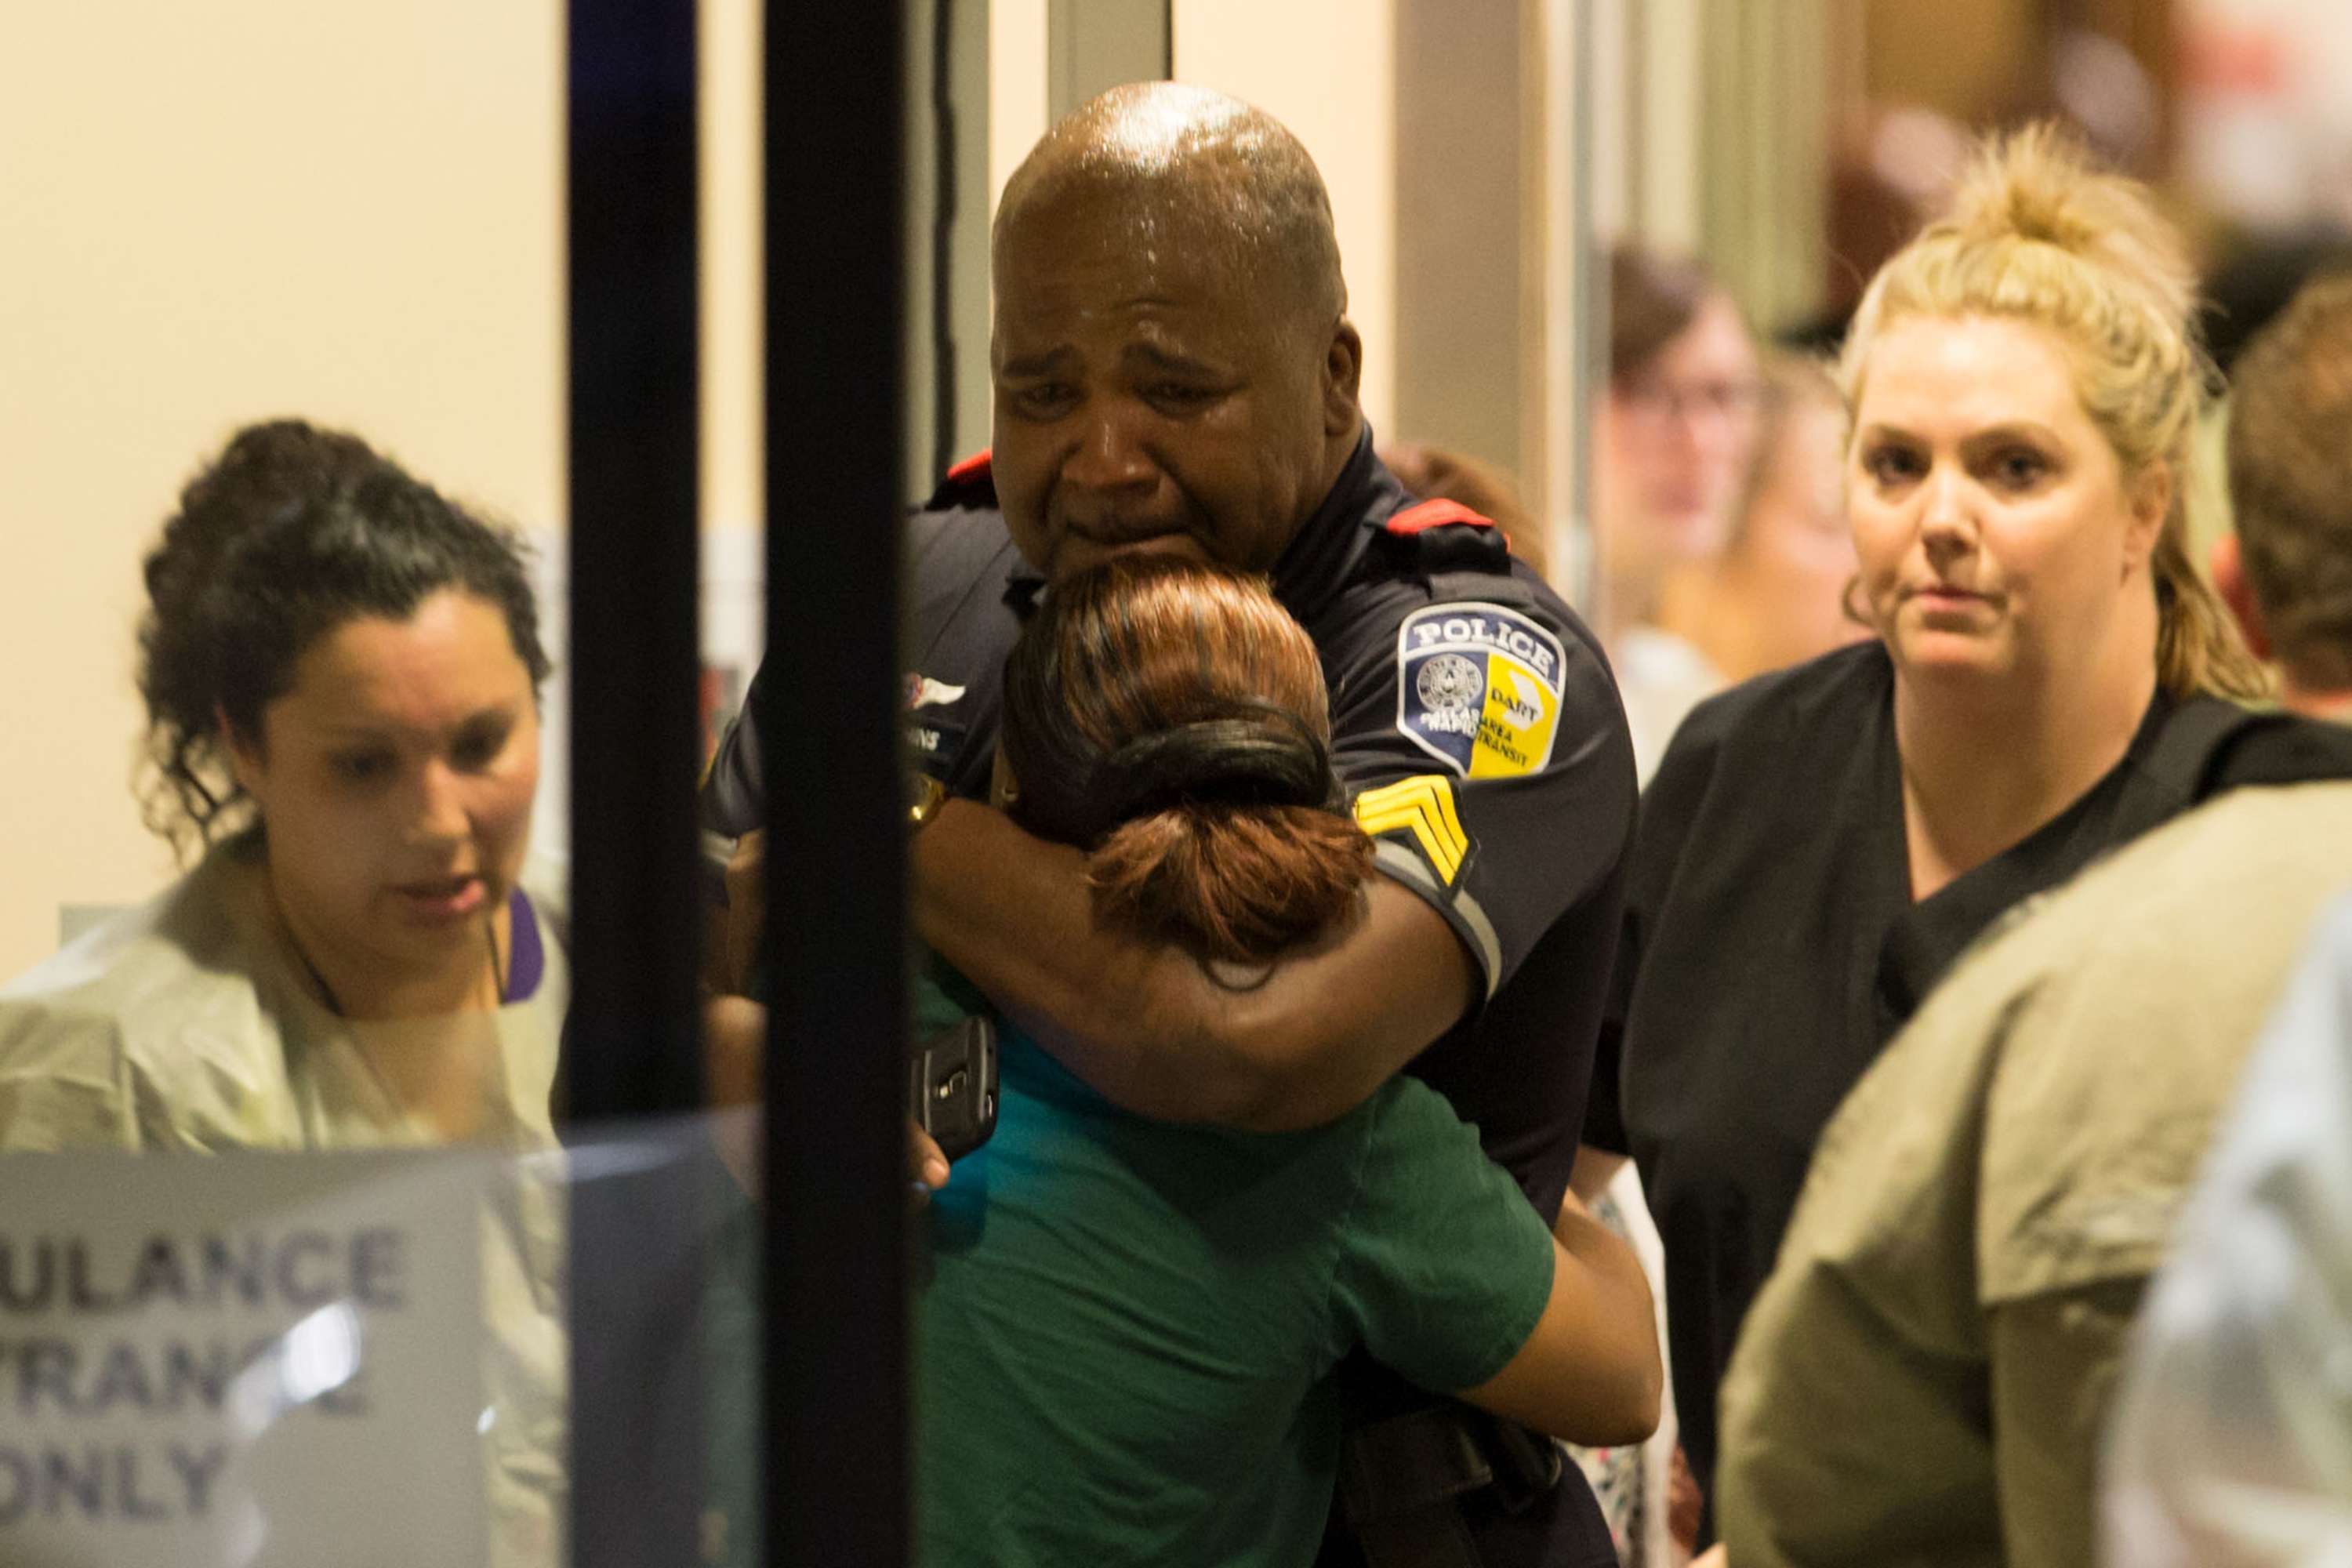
(1126, 1330)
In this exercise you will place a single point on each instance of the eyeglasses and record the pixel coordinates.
(1657, 401)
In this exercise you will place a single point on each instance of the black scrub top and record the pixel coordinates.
(1772, 947)
(1474, 725)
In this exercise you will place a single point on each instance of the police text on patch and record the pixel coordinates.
(1479, 688)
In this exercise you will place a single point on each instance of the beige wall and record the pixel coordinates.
(734, 338)
(1463, 328)
(1016, 86)
(211, 214)
(1326, 68)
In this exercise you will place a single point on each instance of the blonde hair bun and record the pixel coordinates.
(2037, 184)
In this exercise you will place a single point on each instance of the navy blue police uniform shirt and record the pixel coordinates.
(1475, 724)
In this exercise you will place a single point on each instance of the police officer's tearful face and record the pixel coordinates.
(1157, 393)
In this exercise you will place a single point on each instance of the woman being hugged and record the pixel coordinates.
(341, 672)
(2050, 677)
(1128, 1333)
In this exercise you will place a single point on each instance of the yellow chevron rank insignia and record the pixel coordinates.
(1419, 809)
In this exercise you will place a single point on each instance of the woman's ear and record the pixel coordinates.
(2228, 566)
(245, 758)
(2151, 504)
(1856, 605)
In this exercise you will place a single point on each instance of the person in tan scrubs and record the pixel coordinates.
(341, 672)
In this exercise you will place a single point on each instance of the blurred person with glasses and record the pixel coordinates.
(1676, 437)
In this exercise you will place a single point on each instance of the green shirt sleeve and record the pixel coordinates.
(1443, 1267)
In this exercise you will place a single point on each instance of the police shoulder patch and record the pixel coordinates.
(1419, 810)
(1479, 688)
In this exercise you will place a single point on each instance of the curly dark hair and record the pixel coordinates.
(291, 532)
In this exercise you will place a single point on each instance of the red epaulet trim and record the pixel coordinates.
(1435, 514)
(975, 467)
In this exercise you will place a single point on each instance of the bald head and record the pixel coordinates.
(1164, 162)
(1171, 366)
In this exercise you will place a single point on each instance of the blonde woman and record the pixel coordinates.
(2050, 677)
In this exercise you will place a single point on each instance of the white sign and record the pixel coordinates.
(271, 1361)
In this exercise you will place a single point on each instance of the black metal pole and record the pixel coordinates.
(634, 450)
(631, 1043)
(946, 131)
(837, 1455)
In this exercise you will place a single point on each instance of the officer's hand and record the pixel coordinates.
(926, 1167)
(734, 1036)
(1715, 1557)
(1684, 1506)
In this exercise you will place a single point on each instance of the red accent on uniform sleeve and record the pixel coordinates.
(1435, 514)
(975, 467)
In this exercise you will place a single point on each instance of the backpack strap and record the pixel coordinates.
(2188, 761)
